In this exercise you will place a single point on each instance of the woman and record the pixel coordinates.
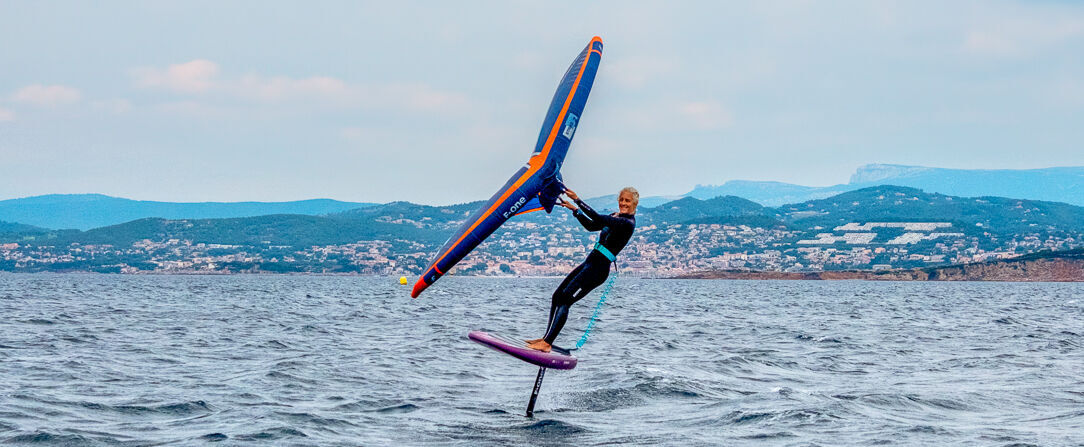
(616, 230)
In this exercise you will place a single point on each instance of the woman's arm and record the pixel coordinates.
(587, 223)
(596, 219)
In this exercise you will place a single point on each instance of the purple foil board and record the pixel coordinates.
(558, 358)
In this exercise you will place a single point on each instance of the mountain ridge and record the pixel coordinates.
(87, 211)
(879, 203)
(867, 228)
(1055, 184)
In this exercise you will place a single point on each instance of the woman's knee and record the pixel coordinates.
(565, 296)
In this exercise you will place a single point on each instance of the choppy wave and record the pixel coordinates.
(181, 360)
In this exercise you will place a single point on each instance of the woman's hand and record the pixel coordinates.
(571, 194)
(565, 204)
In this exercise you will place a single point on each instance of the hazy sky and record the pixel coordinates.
(440, 102)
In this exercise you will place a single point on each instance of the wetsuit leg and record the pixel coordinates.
(576, 285)
(555, 301)
(564, 285)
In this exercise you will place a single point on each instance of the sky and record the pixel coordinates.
(440, 102)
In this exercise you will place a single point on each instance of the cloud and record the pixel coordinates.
(47, 95)
(705, 115)
(636, 72)
(202, 77)
(198, 109)
(422, 97)
(6, 114)
(190, 77)
(678, 116)
(281, 88)
(116, 106)
(987, 42)
(328, 90)
(353, 133)
(1065, 92)
(1018, 37)
(526, 60)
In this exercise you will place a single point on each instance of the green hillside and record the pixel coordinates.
(401, 237)
(691, 209)
(431, 224)
(274, 230)
(11, 228)
(902, 204)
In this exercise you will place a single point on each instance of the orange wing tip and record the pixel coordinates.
(418, 287)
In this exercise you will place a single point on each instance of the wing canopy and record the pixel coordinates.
(536, 183)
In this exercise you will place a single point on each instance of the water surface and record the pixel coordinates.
(310, 360)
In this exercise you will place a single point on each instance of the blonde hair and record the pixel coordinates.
(634, 192)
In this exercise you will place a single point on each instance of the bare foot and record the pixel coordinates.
(540, 346)
(535, 340)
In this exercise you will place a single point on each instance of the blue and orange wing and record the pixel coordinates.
(513, 198)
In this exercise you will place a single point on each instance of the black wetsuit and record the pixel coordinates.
(616, 231)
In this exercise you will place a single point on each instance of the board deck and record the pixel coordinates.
(558, 358)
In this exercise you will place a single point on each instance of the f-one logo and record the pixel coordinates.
(570, 125)
(512, 211)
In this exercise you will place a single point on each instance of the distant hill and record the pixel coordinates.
(403, 224)
(413, 211)
(15, 228)
(610, 201)
(767, 193)
(293, 230)
(402, 236)
(431, 224)
(1065, 184)
(898, 203)
(1050, 184)
(392, 221)
(876, 204)
(86, 211)
(691, 209)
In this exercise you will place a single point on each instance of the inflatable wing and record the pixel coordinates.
(538, 183)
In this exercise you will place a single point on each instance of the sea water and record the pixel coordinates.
(317, 360)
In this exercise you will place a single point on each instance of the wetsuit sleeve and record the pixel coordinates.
(598, 219)
(590, 225)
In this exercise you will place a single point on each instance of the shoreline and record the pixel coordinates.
(1064, 266)
(1068, 267)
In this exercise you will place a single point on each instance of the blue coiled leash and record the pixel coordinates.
(602, 300)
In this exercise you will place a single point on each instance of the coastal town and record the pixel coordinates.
(541, 247)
